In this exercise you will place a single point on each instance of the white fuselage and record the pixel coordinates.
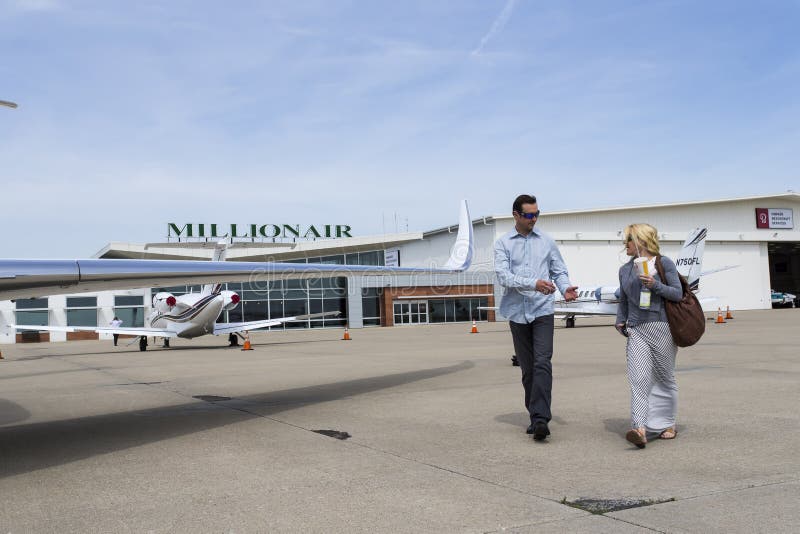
(193, 315)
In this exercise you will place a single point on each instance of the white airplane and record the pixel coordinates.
(193, 314)
(603, 300)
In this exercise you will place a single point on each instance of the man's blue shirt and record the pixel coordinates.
(519, 261)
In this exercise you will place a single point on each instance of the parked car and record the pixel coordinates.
(781, 299)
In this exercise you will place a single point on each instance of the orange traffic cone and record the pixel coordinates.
(247, 342)
(728, 314)
(719, 320)
(346, 336)
(474, 327)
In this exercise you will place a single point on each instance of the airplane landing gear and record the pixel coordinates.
(233, 340)
(166, 342)
(570, 322)
(142, 343)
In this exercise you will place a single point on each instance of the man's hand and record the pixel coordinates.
(545, 287)
(571, 293)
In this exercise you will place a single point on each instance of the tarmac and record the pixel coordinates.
(404, 429)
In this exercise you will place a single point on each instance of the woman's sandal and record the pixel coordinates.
(637, 438)
(669, 433)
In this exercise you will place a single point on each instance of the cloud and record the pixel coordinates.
(498, 25)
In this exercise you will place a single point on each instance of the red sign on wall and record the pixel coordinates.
(762, 218)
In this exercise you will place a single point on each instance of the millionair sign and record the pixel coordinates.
(256, 231)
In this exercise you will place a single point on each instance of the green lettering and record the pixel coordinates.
(172, 227)
(343, 230)
(289, 229)
(214, 231)
(274, 233)
(312, 230)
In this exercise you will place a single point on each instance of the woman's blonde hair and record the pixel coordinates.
(646, 237)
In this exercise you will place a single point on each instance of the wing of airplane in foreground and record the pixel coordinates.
(125, 331)
(33, 278)
(231, 328)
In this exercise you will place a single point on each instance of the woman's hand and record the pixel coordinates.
(622, 329)
(647, 281)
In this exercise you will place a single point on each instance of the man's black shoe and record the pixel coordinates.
(530, 429)
(540, 431)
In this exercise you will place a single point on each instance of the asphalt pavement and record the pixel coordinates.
(403, 429)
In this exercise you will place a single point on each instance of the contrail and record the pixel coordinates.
(497, 26)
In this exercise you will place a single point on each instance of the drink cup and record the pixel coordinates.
(641, 266)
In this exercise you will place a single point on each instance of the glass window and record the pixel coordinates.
(436, 311)
(371, 291)
(276, 309)
(81, 302)
(38, 318)
(235, 314)
(132, 316)
(294, 307)
(338, 259)
(462, 309)
(371, 307)
(370, 258)
(255, 311)
(335, 305)
(128, 300)
(254, 295)
(82, 317)
(29, 304)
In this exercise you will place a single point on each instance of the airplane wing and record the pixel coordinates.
(126, 331)
(230, 328)
(33, 278)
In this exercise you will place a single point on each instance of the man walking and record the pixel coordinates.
(525, 262)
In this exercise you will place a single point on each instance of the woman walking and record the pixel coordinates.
(651, 352)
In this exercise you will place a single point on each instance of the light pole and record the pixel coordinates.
(8, 104)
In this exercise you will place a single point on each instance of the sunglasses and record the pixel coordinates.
(529, 216)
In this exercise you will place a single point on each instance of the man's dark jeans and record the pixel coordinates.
(533, 344)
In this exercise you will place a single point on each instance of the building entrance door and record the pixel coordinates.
(411, 312)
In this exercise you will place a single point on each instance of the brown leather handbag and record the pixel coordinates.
(687, 322)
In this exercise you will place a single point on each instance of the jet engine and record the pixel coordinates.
(164, 302)
(231, 299)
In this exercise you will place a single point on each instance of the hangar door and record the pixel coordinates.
(784, 267)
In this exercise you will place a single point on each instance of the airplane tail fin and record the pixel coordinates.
(690, 260)
(461, 253)
(220, 251)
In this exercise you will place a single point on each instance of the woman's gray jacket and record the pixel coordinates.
(630, 286)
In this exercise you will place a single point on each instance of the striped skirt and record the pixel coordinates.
(651, 372)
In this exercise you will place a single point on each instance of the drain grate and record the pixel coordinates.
(338, 434)
(603, 506)
(138, 384)
(211, 398)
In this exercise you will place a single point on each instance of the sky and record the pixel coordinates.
(381, 115)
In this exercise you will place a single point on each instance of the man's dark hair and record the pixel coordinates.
(523, 199)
